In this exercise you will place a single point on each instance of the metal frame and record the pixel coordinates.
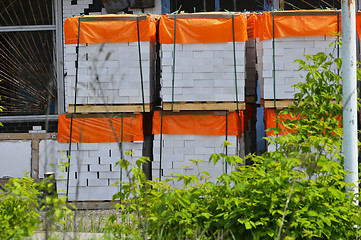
(58, 61)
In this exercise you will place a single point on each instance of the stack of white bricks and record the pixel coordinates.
(109, 73)
(93, 172)
(178, 150)
(203, 72)
(287, 50)
(70, 9)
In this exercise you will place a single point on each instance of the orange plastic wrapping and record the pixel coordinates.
(270, 117)
(358, 25)
(252, 25)
(108, 31)
(199, 124)
(202, 30)
(97, 130)
(298, 25)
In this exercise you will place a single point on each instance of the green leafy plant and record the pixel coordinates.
(295, 192)
(19, 215)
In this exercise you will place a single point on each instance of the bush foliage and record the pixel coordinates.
(294, 192)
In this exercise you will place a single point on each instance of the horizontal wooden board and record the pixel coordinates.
(280, 104)
(27, 136)
(306, 13)
(202, 15)
(182, 106)
(109, 108)
(113, 18)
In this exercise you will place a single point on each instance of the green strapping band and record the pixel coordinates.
(72, 115)
(140, 64)
(226, 139)
(121, 153)
(161, 145)
(235, 62)
(274, 69)
(173, 69)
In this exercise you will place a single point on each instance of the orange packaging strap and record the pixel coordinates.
(108, 31)
(296, 25)
(199, 124)
(98, 130)
(202, 30)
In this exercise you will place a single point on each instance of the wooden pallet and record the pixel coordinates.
(133, 108)
(279, 103)
(199, 106)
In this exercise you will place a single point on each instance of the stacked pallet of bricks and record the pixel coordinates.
(95, 145)
(199, 65)
(108, 72)
(93, 172)
(280, 43)
(109, 81)
(276, 53)
(182, 137)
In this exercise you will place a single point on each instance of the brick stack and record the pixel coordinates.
(109, 73)
(108, 77)
(287, 50)
(178, 150)
(203, 72)
(93, 171)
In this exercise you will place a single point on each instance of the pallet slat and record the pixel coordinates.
(109, 108)
(181, 106)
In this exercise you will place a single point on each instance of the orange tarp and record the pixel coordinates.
(202, 30)
(252, 25)
(108, 31)
(96, 130)
(358, 24)
(297, 25)
(199, 124)
(270, 117)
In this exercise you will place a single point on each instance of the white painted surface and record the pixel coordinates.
(15, 158)
(47, 156)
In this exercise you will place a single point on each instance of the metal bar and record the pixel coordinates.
(59, 56)
(28, 118)
(31, 28)
(349, 75)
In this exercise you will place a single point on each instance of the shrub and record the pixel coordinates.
(19, 215)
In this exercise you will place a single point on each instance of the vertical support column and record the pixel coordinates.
(35, 158)
(58, 12)
(148, 143)
(217, 5)
(349, 76)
